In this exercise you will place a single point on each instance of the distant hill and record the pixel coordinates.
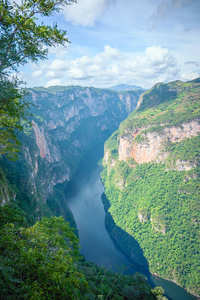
(125, 87)
(58, 88)
(54, 89)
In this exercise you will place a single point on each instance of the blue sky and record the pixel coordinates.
(137, 42)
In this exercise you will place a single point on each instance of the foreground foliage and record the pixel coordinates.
(13, 111)
(43, 262)
(38, 262)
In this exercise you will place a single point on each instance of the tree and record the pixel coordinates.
(40, 262)
(13, 108)
(22, 39)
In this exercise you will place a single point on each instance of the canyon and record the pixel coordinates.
(66, 123)
(151, 168)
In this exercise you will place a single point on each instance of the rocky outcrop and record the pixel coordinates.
(150, 148)
(40, 140)
(182, 165)
(106, 155)
(124, 147)
(157, 225)
(143, 217)
(46, 148)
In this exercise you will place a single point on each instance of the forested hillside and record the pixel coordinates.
(151, 177)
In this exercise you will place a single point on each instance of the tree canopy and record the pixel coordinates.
(22, 39)
(39, 262)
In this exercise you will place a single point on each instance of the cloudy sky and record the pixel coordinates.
(138, 42)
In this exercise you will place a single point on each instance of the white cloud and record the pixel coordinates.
(112, 66)
(36, 74)
(50, 74)
(85, 12)
(190, 75)
(195, 63)
(156, 64)
(58, 64)
(157, 61)
(95, 67)
(129, 59)
(53, 82)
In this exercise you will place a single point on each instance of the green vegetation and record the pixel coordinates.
(22, 38)
(21, 188)
(43, 262)
(13, 110)
(105, 284)
(39, 262)
(158, 203)
(20, 191)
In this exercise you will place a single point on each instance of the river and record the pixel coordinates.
(84, 200)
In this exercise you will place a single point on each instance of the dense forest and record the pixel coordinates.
(154, 197)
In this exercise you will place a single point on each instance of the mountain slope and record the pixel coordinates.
(151, 177)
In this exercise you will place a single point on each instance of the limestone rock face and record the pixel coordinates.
(151, 146)
(46, 148)
(124, 148)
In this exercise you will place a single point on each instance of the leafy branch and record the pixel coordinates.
(22, 39)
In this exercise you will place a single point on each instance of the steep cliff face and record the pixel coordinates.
(149, 146)
(151, 177)
(67, 122)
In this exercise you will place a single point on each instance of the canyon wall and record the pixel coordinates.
(151, 146)
(69, 123)
(66, 123)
